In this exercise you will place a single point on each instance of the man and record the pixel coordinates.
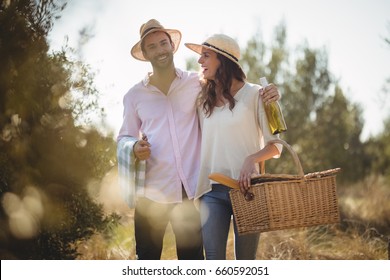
(160, 141)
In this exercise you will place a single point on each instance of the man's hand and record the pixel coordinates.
(270, 93)
(142, 149)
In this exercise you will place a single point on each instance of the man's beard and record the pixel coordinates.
(162, 64)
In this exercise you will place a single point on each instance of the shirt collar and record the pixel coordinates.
(146, 80)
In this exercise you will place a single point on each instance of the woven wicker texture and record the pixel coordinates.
(307, 200)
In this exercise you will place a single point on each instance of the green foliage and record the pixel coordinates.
(377, 151)
(336, 133)
(49, 163)
(250, 57)
(377, 148)
(192, 64)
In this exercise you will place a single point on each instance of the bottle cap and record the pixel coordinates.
(263, 82)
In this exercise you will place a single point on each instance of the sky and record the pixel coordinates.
(351, 31)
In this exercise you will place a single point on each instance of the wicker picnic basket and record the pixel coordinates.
(283, 201)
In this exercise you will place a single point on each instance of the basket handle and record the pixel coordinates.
(293, 154)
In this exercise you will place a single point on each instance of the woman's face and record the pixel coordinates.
(209, 62)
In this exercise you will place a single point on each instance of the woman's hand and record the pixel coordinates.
(248, 168)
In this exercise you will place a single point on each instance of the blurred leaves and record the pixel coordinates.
(47, 146)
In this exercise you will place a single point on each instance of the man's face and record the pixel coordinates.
(158, 49)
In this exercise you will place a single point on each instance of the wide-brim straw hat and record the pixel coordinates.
(150, 27)
(221, 44)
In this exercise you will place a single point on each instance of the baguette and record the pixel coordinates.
(224, 180)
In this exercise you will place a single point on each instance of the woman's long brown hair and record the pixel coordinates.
(224, 76)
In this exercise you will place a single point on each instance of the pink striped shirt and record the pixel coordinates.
(171, 124)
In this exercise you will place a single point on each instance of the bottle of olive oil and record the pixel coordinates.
(274, 113)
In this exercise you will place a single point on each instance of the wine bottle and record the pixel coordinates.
(274, 113)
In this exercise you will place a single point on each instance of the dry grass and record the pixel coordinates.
(317, 243)
(362, 235)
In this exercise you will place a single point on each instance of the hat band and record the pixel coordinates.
(147, 30)
(225, 52)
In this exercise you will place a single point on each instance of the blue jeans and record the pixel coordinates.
(216, 213)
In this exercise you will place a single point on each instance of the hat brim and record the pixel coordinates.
(198, 49)
(136, 50)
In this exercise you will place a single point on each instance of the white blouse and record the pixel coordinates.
(228, 137)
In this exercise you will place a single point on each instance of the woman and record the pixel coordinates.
(234, 130)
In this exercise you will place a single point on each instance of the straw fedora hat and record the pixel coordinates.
(150, 27)
(221, 44)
